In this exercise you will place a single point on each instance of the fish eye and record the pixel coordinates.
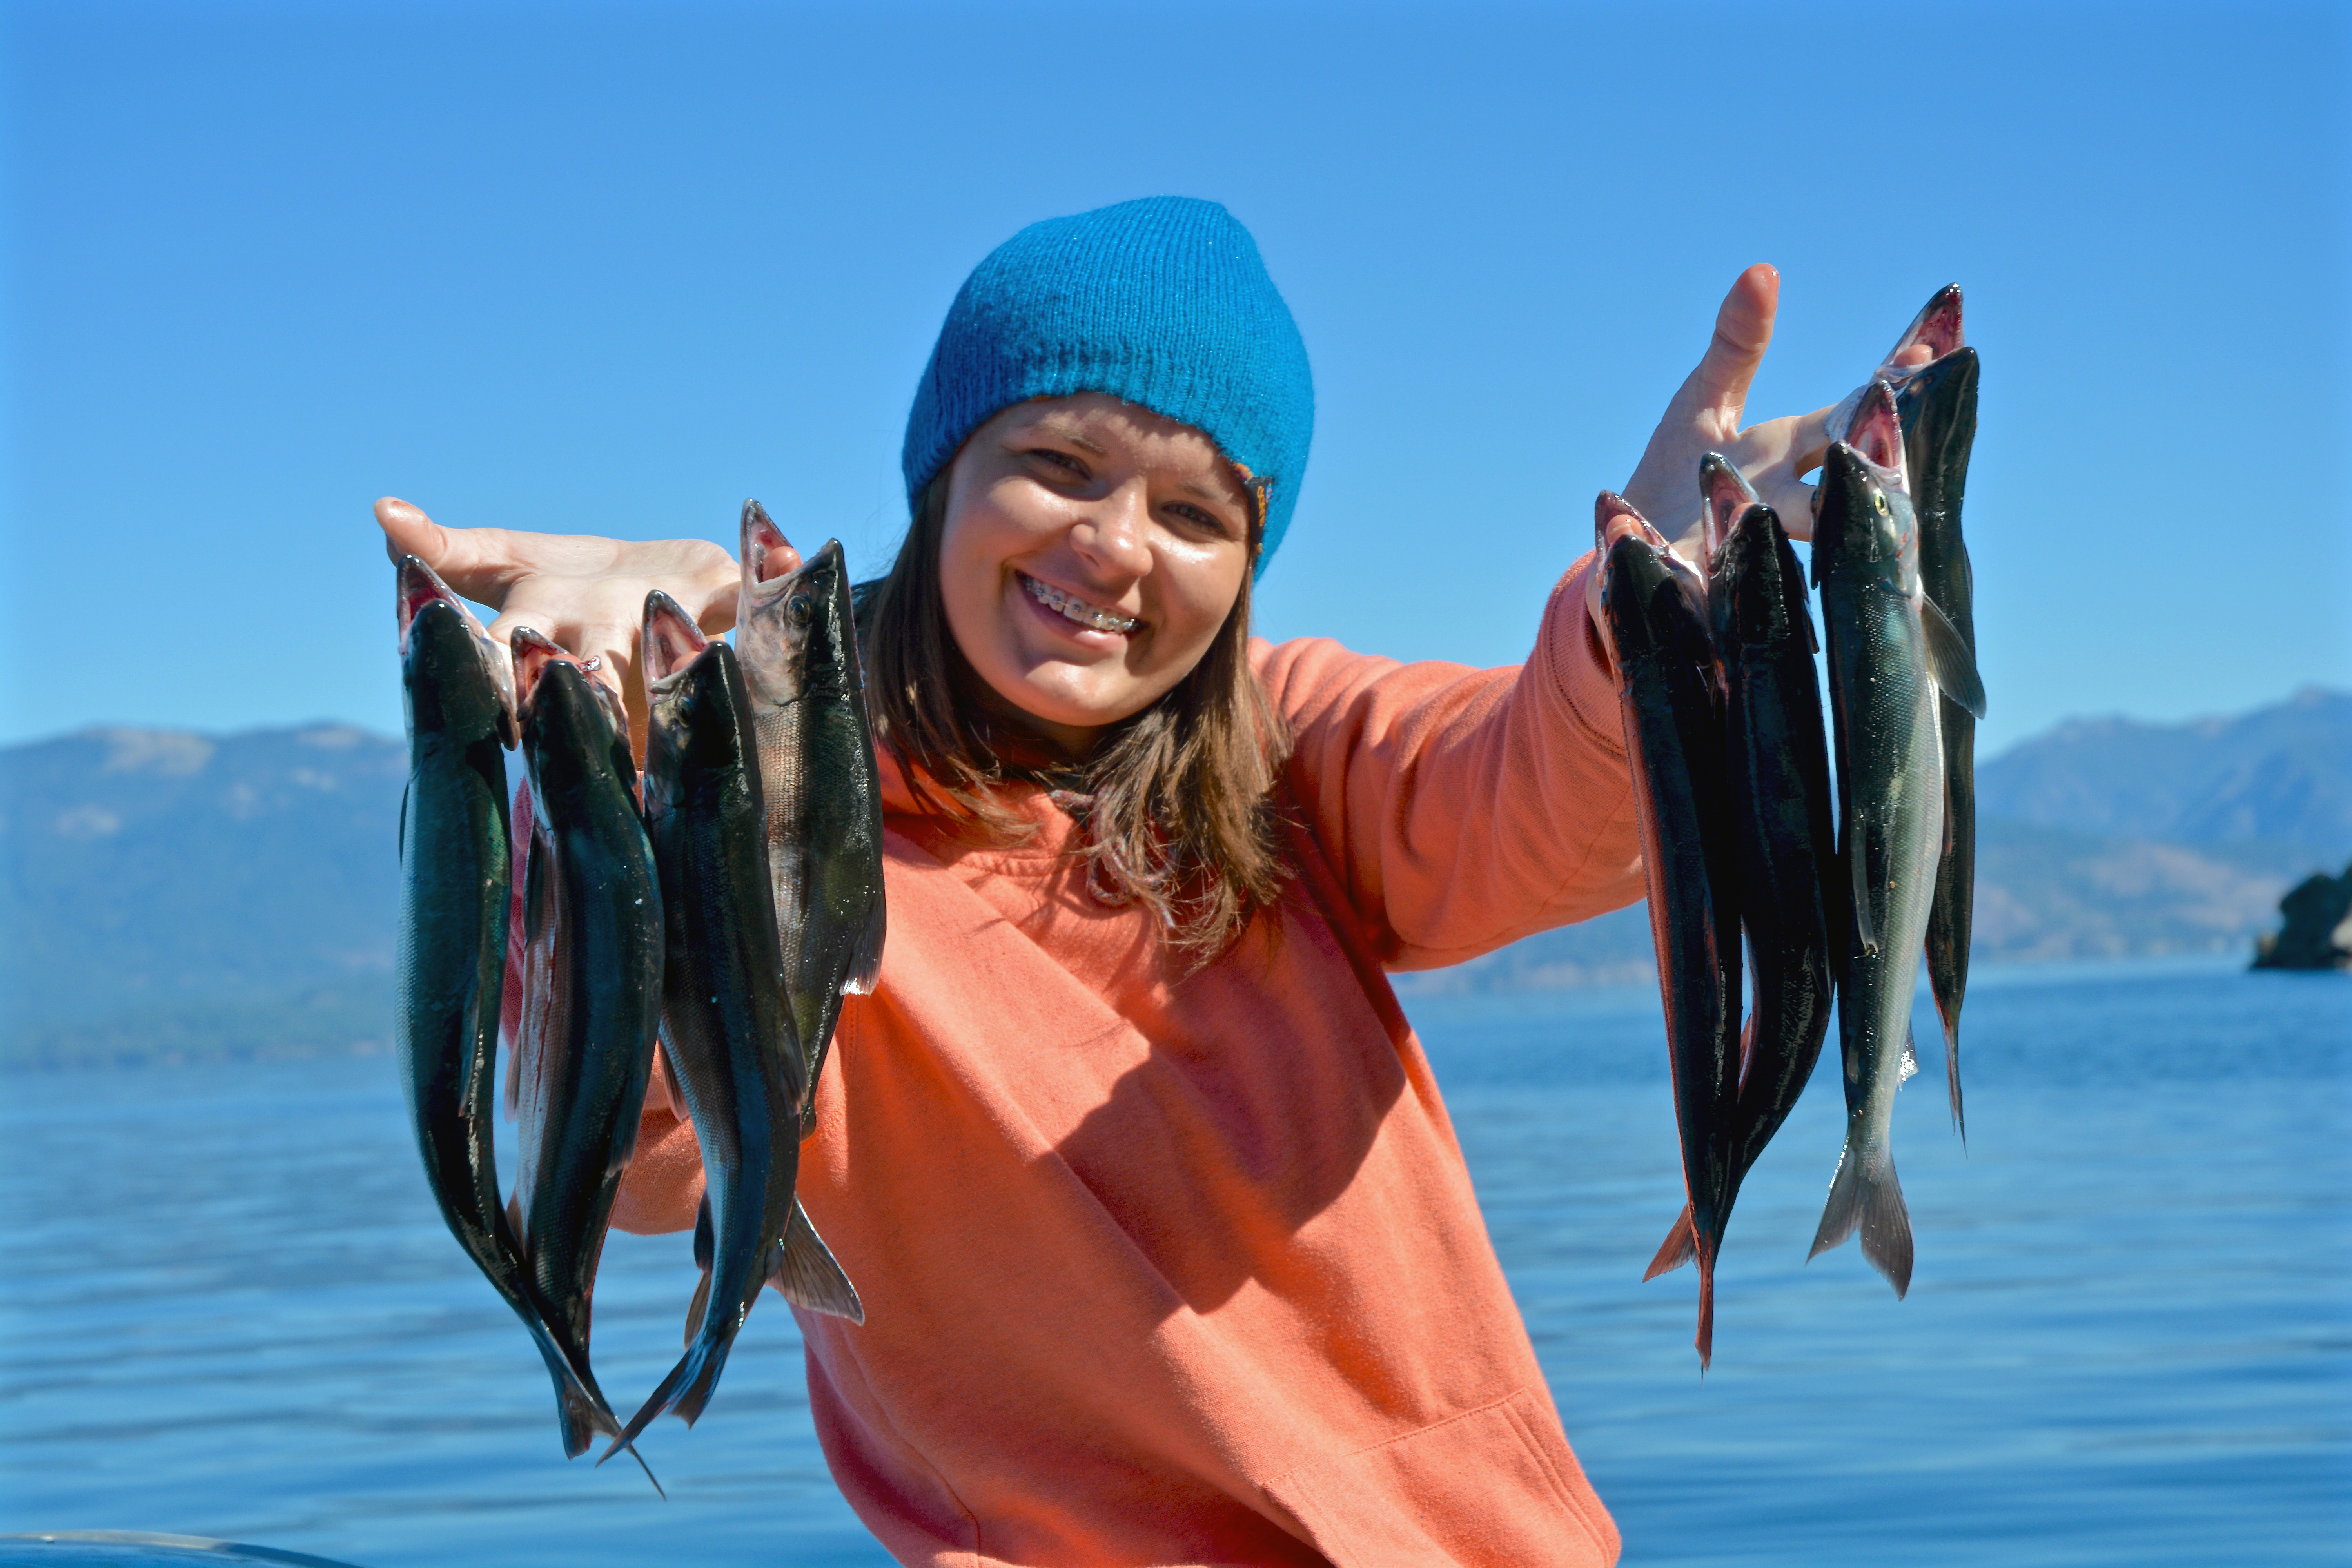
(1878, 500)
(799, 608)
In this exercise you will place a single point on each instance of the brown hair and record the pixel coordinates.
(1173, 806)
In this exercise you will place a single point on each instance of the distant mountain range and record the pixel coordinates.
(166, 894)
(2103, 838)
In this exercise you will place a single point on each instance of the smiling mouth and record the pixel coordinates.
(1077, 610)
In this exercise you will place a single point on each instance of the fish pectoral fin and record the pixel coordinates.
(1949, 661)
(865, 964)
(1865, 925)
(808, 1276)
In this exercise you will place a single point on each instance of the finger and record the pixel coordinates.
(408, 532)
(1743, 331)
(478, 563)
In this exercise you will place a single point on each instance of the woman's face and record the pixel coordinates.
(1092, 550)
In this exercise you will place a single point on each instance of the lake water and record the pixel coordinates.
(227, 1308)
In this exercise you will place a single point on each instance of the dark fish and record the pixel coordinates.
(726, 1025)
(1779, 770)
(797, 639)
(1938, 403)
(452, 957)
(593, 972)
(1656, 609)
(1890, 651)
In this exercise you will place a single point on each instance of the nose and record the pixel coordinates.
(1113, 535)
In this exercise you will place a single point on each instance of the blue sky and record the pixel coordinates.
(614, 269)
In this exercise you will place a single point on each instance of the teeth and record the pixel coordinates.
(1078, 610)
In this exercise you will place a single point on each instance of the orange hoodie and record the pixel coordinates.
(1186, 1268)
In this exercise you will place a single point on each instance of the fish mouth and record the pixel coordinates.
(419, 588)
(1615, 518)
(1073, 609)
(535, 654)
(1938, 325)
(1875, 431)
(1727, 494)
(765, 553)
(672, 640)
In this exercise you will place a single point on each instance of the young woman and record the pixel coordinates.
(1167, 1251)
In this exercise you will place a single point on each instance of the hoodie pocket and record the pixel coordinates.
(1493, 1488)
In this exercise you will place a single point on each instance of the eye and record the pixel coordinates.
(1049, 458)
(1878, 500)
(1205, 521)
(799, 609)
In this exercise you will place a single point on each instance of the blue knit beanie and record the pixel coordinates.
(1163, 303)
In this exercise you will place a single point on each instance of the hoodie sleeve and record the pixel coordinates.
(1463, 808)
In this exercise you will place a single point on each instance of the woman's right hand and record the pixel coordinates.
(586, 594)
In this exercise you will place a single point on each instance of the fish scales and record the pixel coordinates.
(595, 940)
(727, 1025)
(1674, 734)
(452, 955)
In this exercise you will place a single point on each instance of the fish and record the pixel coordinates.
(727, 1025)
(1938, 404)
(1656, 609)
(1777, 765)
(455, 860)
(1891, 652)
(796, 636)
(1935, 402)
(594, 951)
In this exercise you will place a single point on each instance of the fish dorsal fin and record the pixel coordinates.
(1949, 661)
(1865, 924)
(809, 1276)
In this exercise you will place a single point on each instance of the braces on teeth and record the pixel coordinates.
(1077, 610)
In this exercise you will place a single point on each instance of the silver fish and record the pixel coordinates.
(1890, 651)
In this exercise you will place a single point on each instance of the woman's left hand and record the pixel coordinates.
(1705, 417)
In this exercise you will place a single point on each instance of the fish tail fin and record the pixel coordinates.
(1866, 1195)
(686, 1389)
(1705, 1338)
(1946, 986)
(706, 1251)
(809, 1275)
(1680, 1247)
(1952, 1075)
(694, 1308)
